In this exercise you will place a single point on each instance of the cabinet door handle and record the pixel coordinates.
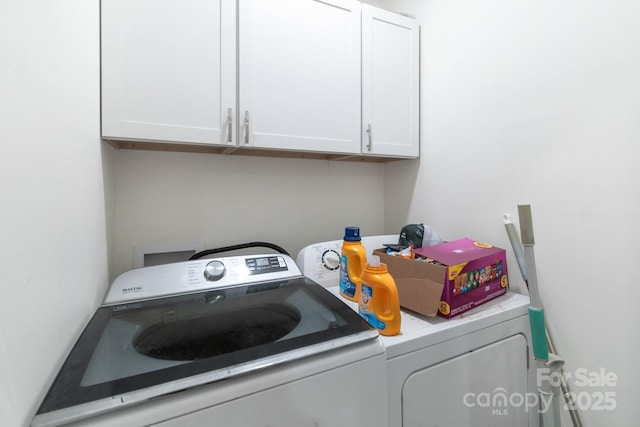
(369, 137)
(229, 125)
(245, 127)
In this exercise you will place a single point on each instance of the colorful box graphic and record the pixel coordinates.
(460, 275)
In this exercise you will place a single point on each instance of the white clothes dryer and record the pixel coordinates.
(475, 369)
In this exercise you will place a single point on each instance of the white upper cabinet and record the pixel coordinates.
(169, 70)
(299, 75)
(333, 77)
(390, 84)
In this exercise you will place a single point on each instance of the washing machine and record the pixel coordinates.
(232, 341)
(476, 369)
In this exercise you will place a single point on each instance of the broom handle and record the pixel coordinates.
(541, 338)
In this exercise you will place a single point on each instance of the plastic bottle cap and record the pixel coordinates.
(375, 261)
(352, 234)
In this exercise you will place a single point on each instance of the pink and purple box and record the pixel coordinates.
(476, 273)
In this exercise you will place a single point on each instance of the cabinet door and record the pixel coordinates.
(390, 84)
(299, 76)
(168, 70)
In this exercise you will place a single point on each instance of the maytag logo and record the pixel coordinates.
(132, 289)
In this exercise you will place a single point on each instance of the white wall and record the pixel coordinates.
(522, 102)
(539, 103)
(163, 198)
(52, 231)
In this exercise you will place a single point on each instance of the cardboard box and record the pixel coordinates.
(467, 273)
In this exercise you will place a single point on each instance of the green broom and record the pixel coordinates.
(543, 347)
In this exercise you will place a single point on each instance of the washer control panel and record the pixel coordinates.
(267, 264)
(191, 276)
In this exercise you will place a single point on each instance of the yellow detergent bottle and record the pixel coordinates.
(379, 301)
(352, 261)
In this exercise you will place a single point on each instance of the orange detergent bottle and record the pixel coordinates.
(352, 262)
(379, 301)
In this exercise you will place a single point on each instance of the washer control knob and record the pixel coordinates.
(214, 271)
(331, 259)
